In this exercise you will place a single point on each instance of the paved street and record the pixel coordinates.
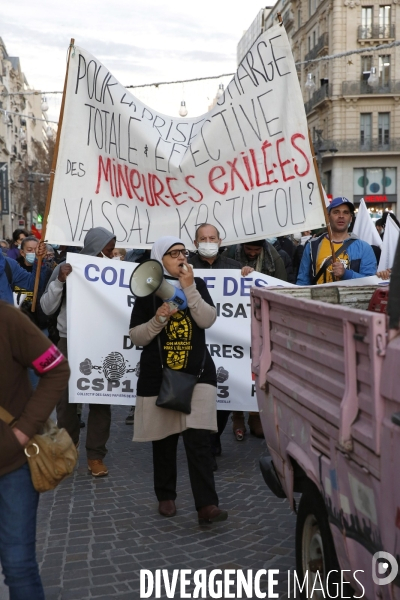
(94, 536)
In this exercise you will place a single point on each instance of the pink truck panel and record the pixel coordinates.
(327, 388)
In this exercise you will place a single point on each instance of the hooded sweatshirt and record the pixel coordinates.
(95, 240)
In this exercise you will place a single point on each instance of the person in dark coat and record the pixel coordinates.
(287, 245)
(208, 242)
(287, 261)
(260, 256)
(18, 236)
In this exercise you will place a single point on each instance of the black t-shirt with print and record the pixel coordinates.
(182, 344)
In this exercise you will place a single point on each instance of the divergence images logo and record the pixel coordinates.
(384, 568)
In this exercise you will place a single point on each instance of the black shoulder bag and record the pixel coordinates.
(176, 387)
(329, 261)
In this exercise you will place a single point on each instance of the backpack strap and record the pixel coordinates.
(8, 271)
(6, 417)
(329, 261)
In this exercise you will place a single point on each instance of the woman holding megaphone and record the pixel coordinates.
(176, 390)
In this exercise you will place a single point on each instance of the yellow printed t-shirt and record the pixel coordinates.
(324, 253)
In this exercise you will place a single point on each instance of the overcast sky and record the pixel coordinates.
(140, 41)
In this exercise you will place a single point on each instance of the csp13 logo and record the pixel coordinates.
(114, 368)
(222, 377)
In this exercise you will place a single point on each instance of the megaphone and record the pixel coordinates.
(148, 278)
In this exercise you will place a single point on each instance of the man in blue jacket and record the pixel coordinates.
(11, 275)
(354, 258)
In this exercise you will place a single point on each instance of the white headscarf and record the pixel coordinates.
(160, 247)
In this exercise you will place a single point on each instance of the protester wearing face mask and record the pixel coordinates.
(119, 254)
(22, 296)
(4, 247)
(18, 236)
(207, 241)
(98, 242)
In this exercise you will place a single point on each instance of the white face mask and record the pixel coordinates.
(208, 249)
(30, 257)
(104, 256)
(116, 258)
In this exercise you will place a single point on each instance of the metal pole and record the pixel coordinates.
(30, 198)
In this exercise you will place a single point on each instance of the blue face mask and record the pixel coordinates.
(30, 257)
(56, 246)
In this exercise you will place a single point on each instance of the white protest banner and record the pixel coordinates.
(245, 167)
(364, 227)
(103, 361)
(390, 241)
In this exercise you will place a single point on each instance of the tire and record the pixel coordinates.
(314, 546)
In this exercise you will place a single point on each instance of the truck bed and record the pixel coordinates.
(322, 354)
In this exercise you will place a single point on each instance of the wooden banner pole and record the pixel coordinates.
(51, 182)
(321, 193)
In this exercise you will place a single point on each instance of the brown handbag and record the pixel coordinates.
(52, 455)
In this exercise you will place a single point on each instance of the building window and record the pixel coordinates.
(384, 21)
(365, 130)
(384, 130)
(366, 22)
(314, 38)
(299, 18)
(384, 70)
(366, 64)
(375, 182)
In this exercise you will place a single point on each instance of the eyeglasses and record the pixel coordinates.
(176, 253)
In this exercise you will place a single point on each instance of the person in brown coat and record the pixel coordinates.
(23, 346)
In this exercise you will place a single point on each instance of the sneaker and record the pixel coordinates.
(97, 467)
(131, 416)
(239, 434)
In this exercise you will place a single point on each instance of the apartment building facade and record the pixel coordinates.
(17, 148)
(352, 103)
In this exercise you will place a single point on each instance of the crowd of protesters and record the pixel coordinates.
(31, 392)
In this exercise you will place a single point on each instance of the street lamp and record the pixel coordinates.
(373, 79)
(183, 111)
(31, 181)
(220, 91)
(310, 83)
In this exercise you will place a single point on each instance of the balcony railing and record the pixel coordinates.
(365, 145)
(324, 92)
(320, 45)
(358, 88)
(376, 32)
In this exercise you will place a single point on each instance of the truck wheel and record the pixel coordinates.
(314, 547)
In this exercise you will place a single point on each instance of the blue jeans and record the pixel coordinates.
(18, 506)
